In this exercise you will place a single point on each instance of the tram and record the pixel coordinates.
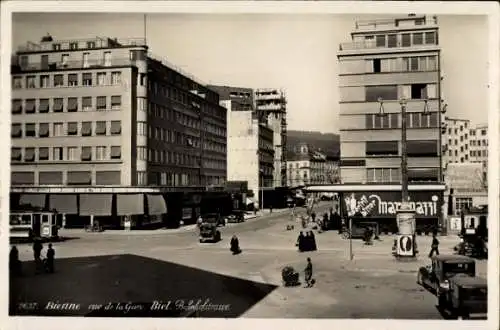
(33, 224)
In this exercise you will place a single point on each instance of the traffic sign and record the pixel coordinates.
(405, 245)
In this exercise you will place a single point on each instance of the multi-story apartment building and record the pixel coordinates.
(270, 105)
(250, 150)
(390, 60)
(478, 145)
(102, 112)
(456, 141)
(307, 166)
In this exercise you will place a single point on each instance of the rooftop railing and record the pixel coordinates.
(372, 45)
(367, 25)
(75, 44)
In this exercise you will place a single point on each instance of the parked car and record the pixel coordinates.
(466, 295)
(213, 218)
(437, 275)
(236, 216)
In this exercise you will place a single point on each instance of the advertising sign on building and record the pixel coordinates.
(383, 204)
(465, 176)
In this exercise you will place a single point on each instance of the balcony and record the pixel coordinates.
(396, 23)
(56, 66)
(270, 107)
(370, 45)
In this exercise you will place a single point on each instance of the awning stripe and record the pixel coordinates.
(96, 204)
(156, 205)
(63, 203)
(130, 204)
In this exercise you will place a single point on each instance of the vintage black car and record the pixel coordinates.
(236, 216)
(209, 233)
(437, 275)
(466, 295)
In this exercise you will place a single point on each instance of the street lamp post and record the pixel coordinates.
(405, 215)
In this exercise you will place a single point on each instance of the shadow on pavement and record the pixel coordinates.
(26, 241)
(128, 285)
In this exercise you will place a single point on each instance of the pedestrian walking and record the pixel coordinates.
(51, 253)
(37, 252)
(308, 272)
(434, 245)
(14, 263)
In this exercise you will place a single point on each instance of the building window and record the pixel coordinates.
(79, 178)
(430, 38)
(484, 132)
(17, 106)
(142, 104)
(100, 128)
(101, 78)
(137, 55)
(43, 153)
(72, 104)
(87, 128)
(73, 79)
(86, 154)
(17, 82)
(31, 82)
(383, 175)
(44, 106)
(87, 79)
(418, 91)
(100, 153)
(406, 39)
(73, 128)
(85, 60)
(73, 153)
(58, 80)
(116, 127)
(387, 92)
(423, 174)
(101, 103)
(73, 45)
(58, 105)
(116, 78)
(422, 148)
(16, 131)
(90, 44)
(15, 154)
(382, 148)
(30, 106)
(392, 40)
(43, 130)
(87, 103)
(58, 129)
(462, 203)
(116, 152)
(57, 153)
(116, 102)
(380, 40)
(141, 178)
(107, 59)
(418, 38)
(44, 81)
(29, 154)
(30, 130)
(142, 128)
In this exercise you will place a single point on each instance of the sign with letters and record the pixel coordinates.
(384, 204)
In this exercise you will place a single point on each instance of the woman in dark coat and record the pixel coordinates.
(301, 241)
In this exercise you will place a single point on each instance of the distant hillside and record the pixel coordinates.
(329, 143)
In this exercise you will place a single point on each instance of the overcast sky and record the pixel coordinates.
(294, 52)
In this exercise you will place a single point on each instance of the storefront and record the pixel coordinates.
(377, 205)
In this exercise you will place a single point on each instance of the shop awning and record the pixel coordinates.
(129, 204)
(96, 204)
(32, 200)
(63, 203)
(156, 204)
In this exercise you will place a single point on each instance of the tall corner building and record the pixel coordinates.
(103, 113)
(270, 105)
(392, 59)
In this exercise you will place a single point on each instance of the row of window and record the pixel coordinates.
(165, 135)
(73, 178)
(478, 142)
(86, 79)
(393, 121)
(166, 179)
(394, 175)
(484, 132)
(70, 104)
(84, 153)
(86, 128)
(394, 40)
(414, 148)
(395, 92)
(479, 153)
(167, 157)
(402, 64)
